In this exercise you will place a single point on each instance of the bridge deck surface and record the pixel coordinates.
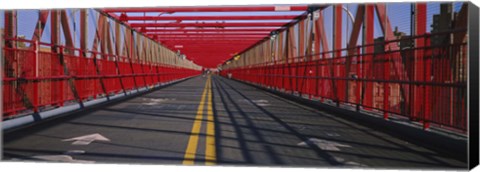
(251, 127)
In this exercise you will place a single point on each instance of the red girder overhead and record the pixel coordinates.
(210, 33)
(211, 9)
(212, 30)
(154, 18)
(209, 24)
(210, 39)
(210, 36)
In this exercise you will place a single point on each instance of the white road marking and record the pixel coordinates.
(349, 163)
(324, 144)
(261, 102)
(60, 158)
(74, 152)
(152, 101)
(257, 102)
(333, 134)
(86, 139)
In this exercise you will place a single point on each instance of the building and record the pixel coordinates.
(441, 23)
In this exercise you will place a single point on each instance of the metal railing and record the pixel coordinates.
(431, 90)
(48, 76)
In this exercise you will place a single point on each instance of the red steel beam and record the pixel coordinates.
(189, 45)
(154, 18)
(232, 51)
(211, 36)
(66, 30)
(207, 46)
(39, 28)
(341, 86)
(212, 30)
(322, 38)
(398, 67)
(211, 24)
(210, 9)
(368, 59)
(99, 36)
(211, 39)
(83, 30)
(210, 48)
(201, 42)
(420, 28)
(223, 48)
(210, 33)
(321, 35)
(54, 29)
(352, 43)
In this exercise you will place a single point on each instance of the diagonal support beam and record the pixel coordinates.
(39, 28)
(66, 31)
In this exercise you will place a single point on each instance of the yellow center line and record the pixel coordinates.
(210, 152)
(197, 124)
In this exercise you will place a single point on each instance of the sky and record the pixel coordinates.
(398, 14)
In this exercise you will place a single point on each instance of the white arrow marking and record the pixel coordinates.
(153, 101)
(61, 158)
(87, 139)
(349, 163)
(261, 102)
(333, 134)
(73, 152)
(323, 144)
(257, 102)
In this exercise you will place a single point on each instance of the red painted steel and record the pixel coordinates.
(210, 24)
(210, 36)
(147, 18)
(270, 75)
(211, 9)
(48, 88)
(212, 30)
(393, 82)
(422, 70)
(210, 33)
(340, 85)
(369, 57)
(157, 27)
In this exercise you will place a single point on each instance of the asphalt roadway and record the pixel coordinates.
(216, 121)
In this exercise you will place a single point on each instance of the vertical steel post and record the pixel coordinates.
(57, 87)
(9, 58)
(83, 51)
(318, 71)
(368, 26)
(322, 39)
(1, 85)
(83, 32)
(10, 27)
(2, 69)
(35, 73)
(337, 53)
(420, 28)
(386, 65)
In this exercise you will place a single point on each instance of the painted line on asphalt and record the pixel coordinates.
(191, 150)
(210, 151)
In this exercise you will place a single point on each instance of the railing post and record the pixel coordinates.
(386, 86)
(358, 83)
(1, 82)
(35, 70)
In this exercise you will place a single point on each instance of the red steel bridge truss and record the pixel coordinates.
(423, 82)
(294, 49)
